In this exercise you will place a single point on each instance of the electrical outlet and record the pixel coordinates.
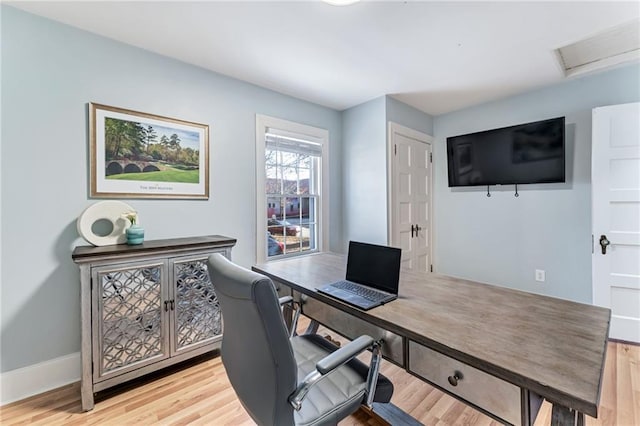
(540, 275)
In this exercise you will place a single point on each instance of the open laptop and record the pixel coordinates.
(373, 273)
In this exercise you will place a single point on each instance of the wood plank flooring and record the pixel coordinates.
(200, 394)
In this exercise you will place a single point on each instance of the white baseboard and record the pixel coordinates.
(34, 379)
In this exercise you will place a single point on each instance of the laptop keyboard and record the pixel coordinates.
(367, 293)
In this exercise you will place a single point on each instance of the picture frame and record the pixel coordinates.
(134, 154)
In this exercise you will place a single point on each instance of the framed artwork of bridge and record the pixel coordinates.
(138, 155)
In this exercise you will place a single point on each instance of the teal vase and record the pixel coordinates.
(135, 234)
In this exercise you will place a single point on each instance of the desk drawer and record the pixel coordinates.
(352, 327)
(494, 395)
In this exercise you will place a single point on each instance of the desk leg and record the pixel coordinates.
(563, 416)
(287, 314)
(580, 419)
(312, 328)
(531, 403)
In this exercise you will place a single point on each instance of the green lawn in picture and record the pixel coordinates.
(169, 175)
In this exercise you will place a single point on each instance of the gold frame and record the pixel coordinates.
(153, 189)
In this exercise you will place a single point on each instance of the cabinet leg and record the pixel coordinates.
(86, 391)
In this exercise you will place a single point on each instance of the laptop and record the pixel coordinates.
(373, 273)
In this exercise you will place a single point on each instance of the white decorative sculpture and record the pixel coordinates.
(104, 210)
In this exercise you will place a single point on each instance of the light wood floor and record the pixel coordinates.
(200, 394)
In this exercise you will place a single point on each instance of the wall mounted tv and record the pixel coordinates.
(526, 153)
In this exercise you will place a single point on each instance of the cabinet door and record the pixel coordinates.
(196, 315)
(130, 328)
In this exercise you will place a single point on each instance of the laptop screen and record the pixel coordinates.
(375, 266)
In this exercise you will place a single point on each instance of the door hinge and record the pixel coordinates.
(430, 268)
(431, 157)
(395, 149)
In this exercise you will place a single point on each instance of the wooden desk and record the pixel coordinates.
(511, 348)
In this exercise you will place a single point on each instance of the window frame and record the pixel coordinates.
(316, 134)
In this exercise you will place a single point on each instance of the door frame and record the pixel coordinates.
(394, 129)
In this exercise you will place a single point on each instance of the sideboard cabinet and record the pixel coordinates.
(145, 307)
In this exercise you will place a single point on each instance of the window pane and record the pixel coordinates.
(303, 184)
(276, 231)
(275, 210)
(291, 244)
(273, 207)
(273, 183)
(289, 159)
(304, 240)
(314, 176)
(274, 246)
(270, 158)
(308, 237)
(305, 161)
(290, 176)
(292, 209)
(308, 210)
(275, 214)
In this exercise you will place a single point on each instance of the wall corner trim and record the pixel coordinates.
(37, 378)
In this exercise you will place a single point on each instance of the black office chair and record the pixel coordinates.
(285, 380)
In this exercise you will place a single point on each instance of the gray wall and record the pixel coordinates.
(503, 239)
(365, 172)
(408, 116)
(49, 73)
(364, 136)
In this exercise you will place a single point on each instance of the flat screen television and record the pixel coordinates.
(526, 153)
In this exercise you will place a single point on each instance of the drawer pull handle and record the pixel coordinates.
(453, 380)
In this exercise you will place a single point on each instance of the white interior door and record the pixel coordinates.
(615, 178)
(410, 223)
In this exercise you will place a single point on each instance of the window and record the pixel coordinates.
(291, 199)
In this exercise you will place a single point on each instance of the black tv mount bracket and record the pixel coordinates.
(515, 195)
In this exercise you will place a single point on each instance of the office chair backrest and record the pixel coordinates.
(256, 351)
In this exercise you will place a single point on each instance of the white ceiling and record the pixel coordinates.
(435, 56)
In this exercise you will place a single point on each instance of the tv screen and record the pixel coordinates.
(526, 153)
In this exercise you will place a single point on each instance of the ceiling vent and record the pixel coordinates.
(611, 47)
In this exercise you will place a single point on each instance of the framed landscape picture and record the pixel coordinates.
(139, 155)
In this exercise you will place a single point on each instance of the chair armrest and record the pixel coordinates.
(327, 365)
(344, 354)
(295, 309)
(285, 299)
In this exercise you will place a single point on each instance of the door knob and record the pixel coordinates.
(604, 242)
(413, 229)
(418, 228)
